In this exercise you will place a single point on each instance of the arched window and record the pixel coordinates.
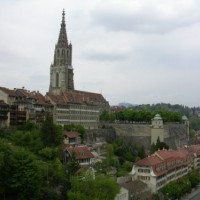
(57, 80)
(58, 53)
(67, 53)
(63, 52)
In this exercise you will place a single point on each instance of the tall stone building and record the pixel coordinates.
(61, 72)
(71, 106)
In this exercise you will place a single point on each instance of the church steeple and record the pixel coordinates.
(61, 72)
(62, 39)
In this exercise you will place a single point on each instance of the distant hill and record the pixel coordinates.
(126, 105)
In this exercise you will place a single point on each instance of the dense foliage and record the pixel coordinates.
(158, 146)
(195, 123)
(176, 189)
(130, 115)
(121, 155)
(88, 188)
(30, 167)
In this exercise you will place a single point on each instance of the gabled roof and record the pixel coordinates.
(149, 161)
(81, 152)
(162, 157)
(71, 134)
(75, 96)
(40, 99)
(8, 91)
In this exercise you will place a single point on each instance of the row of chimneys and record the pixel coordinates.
(27, 90)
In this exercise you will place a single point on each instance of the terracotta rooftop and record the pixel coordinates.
(81, 152)
(8, 91)
(71, 134)
(150, 161)
(162, 157)
(194, 148)
(76, 96)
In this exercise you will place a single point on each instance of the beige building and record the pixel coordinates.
(25, 105)
(163, 167)
(77, 107)
(195, 149)
(4, 114)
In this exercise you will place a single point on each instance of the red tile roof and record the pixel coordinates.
(71, 134)
(8, 91)
(81, 152)
(149, 161)
(76, 96)
(162, 157)
(37, 96)
(194, 148)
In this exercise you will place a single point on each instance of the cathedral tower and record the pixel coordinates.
(61, 71)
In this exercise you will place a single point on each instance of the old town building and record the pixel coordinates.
(165, 166)
(4, 111)
(23, 105)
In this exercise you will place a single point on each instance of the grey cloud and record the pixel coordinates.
(105, 56)
(146, 20)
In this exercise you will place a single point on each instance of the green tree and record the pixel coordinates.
(192, 133)
(49, 153)
(51, 134)
(6, 166)
(88, 188)
(72, 165)
(195, 123)
(159, 145)
(26, 179)
(194, 177)
(172, 190)
(104, 116)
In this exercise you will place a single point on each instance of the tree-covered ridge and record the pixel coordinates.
(130, 115)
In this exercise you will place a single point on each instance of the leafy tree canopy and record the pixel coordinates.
(88, 188)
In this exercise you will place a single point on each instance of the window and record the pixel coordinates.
(63, 52)
(57, 80)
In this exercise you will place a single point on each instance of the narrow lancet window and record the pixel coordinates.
(57, 80)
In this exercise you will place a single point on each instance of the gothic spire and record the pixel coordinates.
(62, 40)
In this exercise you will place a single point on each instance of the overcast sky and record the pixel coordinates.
(136, 51)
